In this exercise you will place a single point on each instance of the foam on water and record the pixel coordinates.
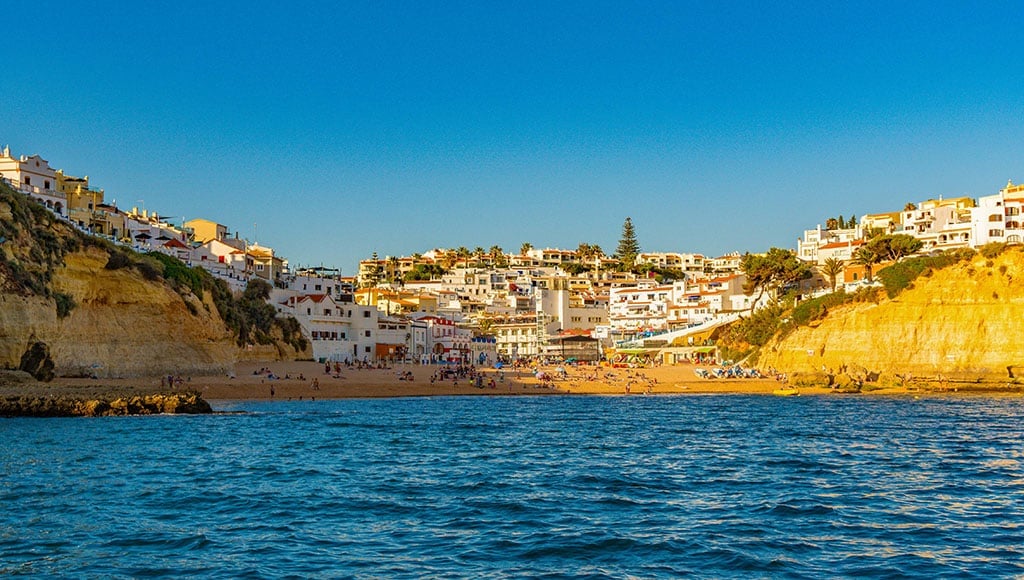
(721, 486)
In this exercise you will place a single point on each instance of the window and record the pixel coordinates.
(995, 217)
(343, 336)
(327, 311)
(366, 314)
(46, 185)
(366, 333)
(995, 233)
(309, 311)
(1013, 211)
(317, 287)
(28, 180)
(366, 349)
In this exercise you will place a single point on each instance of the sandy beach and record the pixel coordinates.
(307, 379)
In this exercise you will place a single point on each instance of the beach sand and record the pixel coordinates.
(248, 383)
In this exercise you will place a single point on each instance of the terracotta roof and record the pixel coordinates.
(834, 245)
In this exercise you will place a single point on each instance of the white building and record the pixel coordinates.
(31, 174)
(998, 218)
(809, 245)
(338, 328)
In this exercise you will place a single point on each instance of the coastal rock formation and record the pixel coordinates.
(958, 324)
(122, 325)
(37, 362)
(68, 406)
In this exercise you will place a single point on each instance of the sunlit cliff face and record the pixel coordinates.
(962, 321)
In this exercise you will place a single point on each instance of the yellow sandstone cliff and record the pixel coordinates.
(121, 326)
(961, 323)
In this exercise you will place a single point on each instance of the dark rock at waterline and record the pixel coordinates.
(37, 362)
(66, 406)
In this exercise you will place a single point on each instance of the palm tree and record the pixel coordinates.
(497, 255)
(449, 259)
(832, 268)
(867, 256)
(525, 248)
(478, 255)
(393, 269)
(462, 254)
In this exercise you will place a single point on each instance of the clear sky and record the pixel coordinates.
(331, 130)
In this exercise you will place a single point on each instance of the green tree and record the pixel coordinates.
(772, 272)
(868, 256)
(394, 267)
(832, 268)
(375, 272)
(628, 246)
(525, 248)
(831, 224)
(910, 206)
(900, 245)
(497, 257)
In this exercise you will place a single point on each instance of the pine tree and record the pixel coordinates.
(628, 246)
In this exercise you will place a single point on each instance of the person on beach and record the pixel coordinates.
(316, 384)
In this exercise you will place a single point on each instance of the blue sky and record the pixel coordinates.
(333, 130)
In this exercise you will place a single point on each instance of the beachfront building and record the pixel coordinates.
(338, 329)
(394, 338)
(999, 218)
(32, 175)
(523, 335)
(444, 340)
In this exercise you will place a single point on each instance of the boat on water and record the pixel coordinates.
(786, 392)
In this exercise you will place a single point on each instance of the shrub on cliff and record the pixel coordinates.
(178, 274)
(817, 308)
(65, 304)
(900, 275)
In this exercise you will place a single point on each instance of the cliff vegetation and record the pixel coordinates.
(93, 308)
(946, 318)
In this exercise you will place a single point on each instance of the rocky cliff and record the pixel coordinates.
(959, 324)
(61, 295)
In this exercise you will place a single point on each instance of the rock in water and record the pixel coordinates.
(37, 362)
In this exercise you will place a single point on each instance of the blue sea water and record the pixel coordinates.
(651, 487)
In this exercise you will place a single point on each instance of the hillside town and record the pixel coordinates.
(493, 305)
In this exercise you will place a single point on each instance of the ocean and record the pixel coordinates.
(553, 487)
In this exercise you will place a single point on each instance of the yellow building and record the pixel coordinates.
(887, 222)
(205, 230)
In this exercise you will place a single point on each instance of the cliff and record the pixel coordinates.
(74, 305)
(958, 324)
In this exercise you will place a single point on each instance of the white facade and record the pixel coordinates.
(31, 174)
(1000, 218)
(808, 246)
(339, 329)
